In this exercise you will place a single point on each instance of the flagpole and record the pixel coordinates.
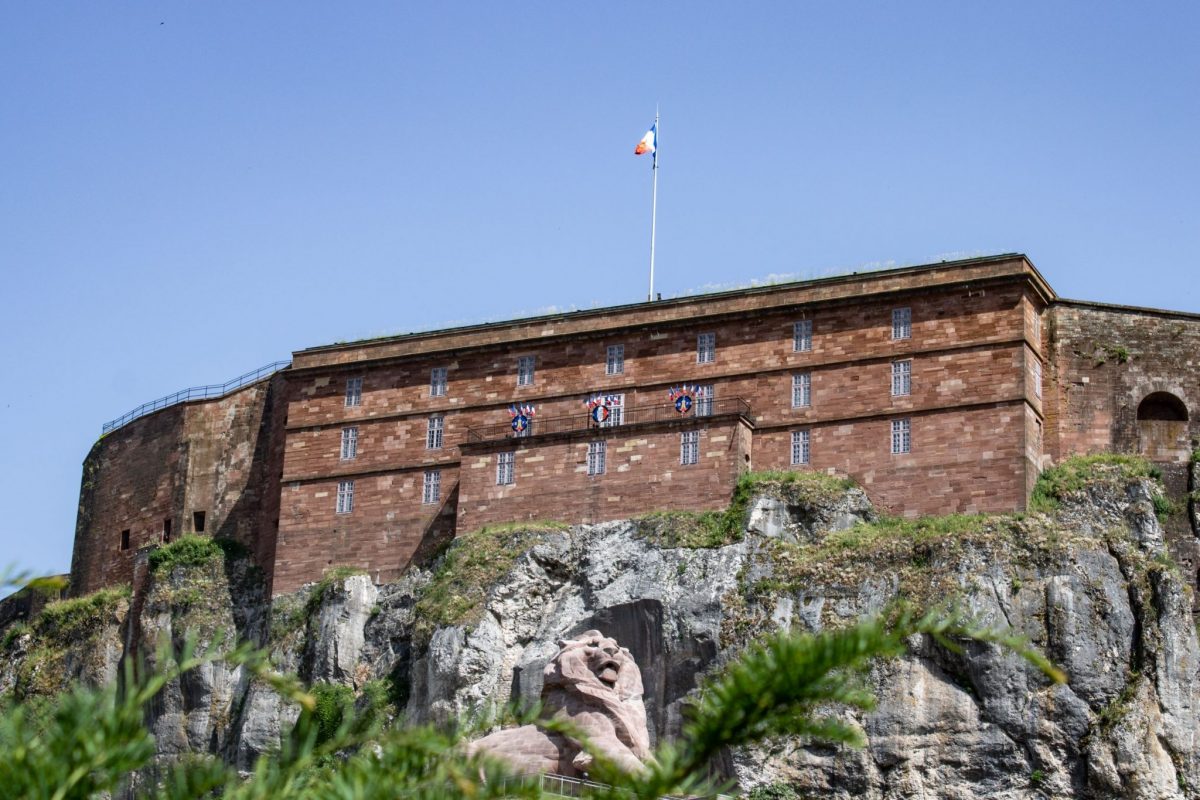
(653, 203)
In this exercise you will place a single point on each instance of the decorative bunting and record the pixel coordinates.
(522, 416)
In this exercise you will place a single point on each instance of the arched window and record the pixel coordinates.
(1162, 406)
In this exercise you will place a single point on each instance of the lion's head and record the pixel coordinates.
(593, 673)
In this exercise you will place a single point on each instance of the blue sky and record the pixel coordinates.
(188, 191)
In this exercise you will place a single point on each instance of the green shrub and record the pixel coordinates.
(774, 791)
(472, 563)
(194, 551)
(68, 619)
(708, 529)
(1076, 472)
(334, 703)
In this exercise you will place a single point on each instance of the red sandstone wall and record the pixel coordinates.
(210, 456)
(643, 473)
(961, 461)
(1094, 397)
(386, 528)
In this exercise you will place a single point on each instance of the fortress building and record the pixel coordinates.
(939, 388)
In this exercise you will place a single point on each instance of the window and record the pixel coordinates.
(345, 497)
(1037, 378)
(801, 389)
(433, 435)
(704, 401)
(125, 539)
(353, 392)
(437, 382)
(901, 377)
(595, 458)
(616, 410)
(901, 323)
(349, 443)
(689, 447)
(799, 447)
(901, 436)
(802, 336)
(706, 348)
(431, 492)
(504, 468)
(525, 371)
(198, 521)
(166, 536)
(614, 362)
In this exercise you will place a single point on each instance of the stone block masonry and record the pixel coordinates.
(942, 388)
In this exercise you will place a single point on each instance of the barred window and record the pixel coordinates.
(349, 443)
(353, 392)
(802, 336)
(616, 410)
(525, 371)
(689, 447)
(437, 382)
(431, 492)
(706, 348)
(901, 377)
(345, 497)
(901, 436)
(433, 435)
(504, 468)
(801, 389)
(901, 323)
(799, 447)
(1037, 378)
(595, 458)
(614, 362)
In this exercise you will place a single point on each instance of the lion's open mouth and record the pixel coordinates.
(608, 671)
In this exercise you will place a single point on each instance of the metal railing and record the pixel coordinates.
(195, 393)
(582, 421)
(562, 786)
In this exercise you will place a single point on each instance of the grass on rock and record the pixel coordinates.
(1073, 474)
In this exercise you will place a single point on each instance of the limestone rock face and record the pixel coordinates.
(1091, 586)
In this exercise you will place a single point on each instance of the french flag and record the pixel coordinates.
(649, 142)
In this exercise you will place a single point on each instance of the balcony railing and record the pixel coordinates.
(583, 421)
(195, 393)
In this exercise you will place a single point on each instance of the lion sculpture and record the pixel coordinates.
(593, 683)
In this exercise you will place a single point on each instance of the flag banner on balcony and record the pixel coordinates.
(684, 396)
(600, 406)
(522, 416)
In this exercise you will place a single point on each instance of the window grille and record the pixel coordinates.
(504, 468)
(901, 378)
(800, 447)
(614, 362)
(706, 348)
(353, 392)
(433, 435)
(704, 401)
(431, 492)
(525, 371)
(689, 447)
(901, 436)
(349, 443)
(437, 382)
(345, 497)
(802, 336)
(901, 323)
(801, 389)
(616, 410)
(595, 458)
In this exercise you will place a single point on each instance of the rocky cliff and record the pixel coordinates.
(1089, 582)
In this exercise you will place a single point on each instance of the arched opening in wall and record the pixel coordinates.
(1162, 406)
(1162, 422)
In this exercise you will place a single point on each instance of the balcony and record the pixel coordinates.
(643, 415)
